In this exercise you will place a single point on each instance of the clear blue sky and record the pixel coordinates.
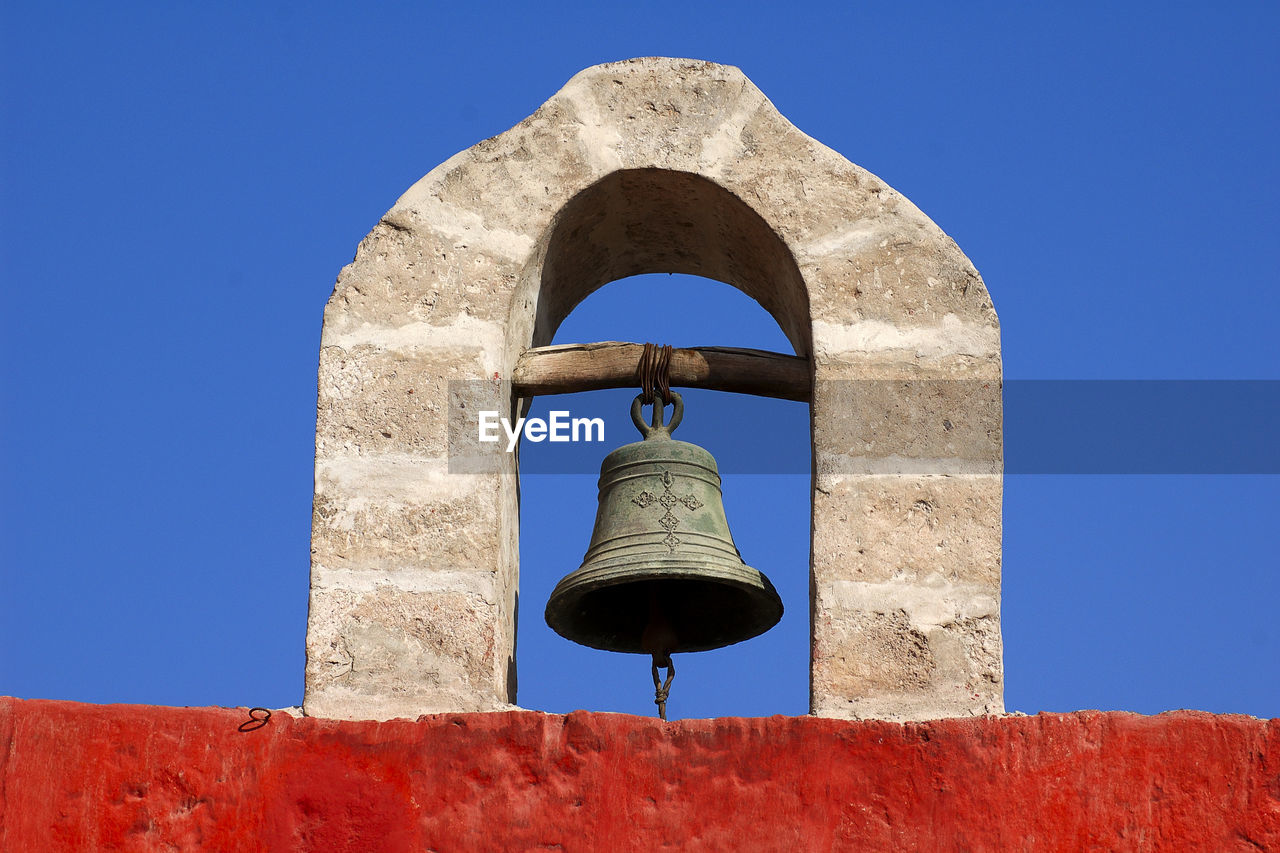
(181, 184)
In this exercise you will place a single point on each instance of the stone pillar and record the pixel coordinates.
(655, 165)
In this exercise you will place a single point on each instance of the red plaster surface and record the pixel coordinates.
(120, 777)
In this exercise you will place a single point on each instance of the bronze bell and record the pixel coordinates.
(662, 574)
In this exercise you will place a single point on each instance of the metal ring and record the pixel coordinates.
(636, 405)
(255, 722)
(677, 414)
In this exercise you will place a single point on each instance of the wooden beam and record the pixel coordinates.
(569, 368)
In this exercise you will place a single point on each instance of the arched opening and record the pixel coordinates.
(762, 448)
(637, 221)
(628, 226)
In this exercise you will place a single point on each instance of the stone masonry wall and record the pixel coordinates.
(656, 165)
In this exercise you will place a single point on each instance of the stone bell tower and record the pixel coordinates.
(645, 166)
(656, 165)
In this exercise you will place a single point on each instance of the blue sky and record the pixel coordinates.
(181, 185)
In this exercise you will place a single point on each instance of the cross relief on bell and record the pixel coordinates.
(668, 501)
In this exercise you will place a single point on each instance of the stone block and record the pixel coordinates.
(895, 279)
(415, 268)
(373, 400)
(924, 426)
(917, 529)
(396, 511)
(390, 652)
(865, 653)
(881, 662)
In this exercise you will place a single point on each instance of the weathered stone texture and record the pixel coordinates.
(917, 419)
(412, 597)
(919, 530)
(374, 400)
(414, 649)
(396, 512)
(126, 777)
(409, 269)
(663, 165)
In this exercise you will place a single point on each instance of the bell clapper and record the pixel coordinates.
(662, 688)
(659, 639)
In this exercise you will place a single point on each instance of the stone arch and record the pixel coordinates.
(639, 166)
(636, 221)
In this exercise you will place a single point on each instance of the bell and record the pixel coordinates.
(662, 574)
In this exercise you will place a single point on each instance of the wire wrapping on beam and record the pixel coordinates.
(653, 373)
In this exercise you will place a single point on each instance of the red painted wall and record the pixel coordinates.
(123, 777)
